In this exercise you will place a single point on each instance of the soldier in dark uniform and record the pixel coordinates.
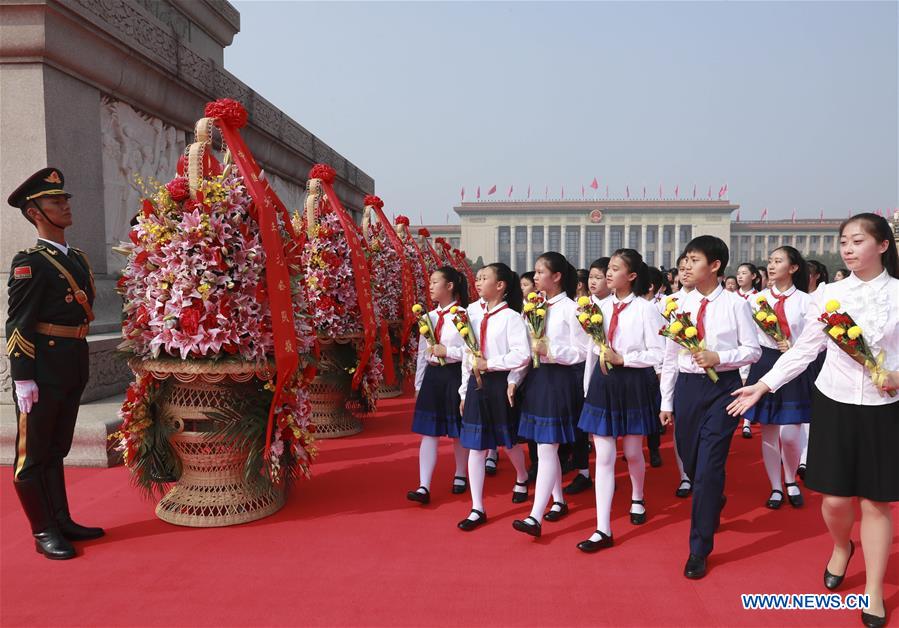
(51, 291)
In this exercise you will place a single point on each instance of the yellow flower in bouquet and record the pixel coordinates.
(676, 327)
(760, 316)
(849, 337)
(771, 318)
(596, 319)
(682, 331)
(541, 312)
(691, 332)
(832, 306)
(463, 331)
(854, 332)
(836, 332)
(533, 296)
(529, 307)
(426, 329)
(583, 301)
(417, 309)
(583, 317)
(423, 330)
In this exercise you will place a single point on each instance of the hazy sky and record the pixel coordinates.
(792, 104)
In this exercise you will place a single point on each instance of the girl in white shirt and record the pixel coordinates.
(782, 414)
(437, 387)
(625, 400)
(749, 282)
(853, 448)
(489, 418)
(554, 392)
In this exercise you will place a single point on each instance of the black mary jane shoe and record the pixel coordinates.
(801, 472)
(832, 582)
(684, 491)
(655, 459)
(775, 504)
(796, 501)
(555, 515)
(533, 529)
(519, 497)
(589, 547)
(747, 432)
(490, 465)
(458, 489)
(695, 568)
(638, 518)
(467, 525)
(421, 498)
(875, 621)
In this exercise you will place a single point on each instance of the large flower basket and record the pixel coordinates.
(330, 391)
(213, 490)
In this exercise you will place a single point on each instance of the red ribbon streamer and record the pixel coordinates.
(268, 206)
(361, 278)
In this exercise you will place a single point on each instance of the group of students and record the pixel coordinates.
(554, 390)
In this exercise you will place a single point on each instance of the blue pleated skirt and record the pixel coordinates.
(488, 421)
(552, 403)
(437, 406)
(626, 401)
(790, 405)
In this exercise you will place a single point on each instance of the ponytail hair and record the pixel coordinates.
(513, 296)
(635, 264)
(557, 263)
(800, 277)
(756, 275)
(460, 285)
(880, 229)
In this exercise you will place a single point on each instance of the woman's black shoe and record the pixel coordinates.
(801, 472)
(684, 491)
(467, 525)
(421, 498)
(590, 547)
(528, 528)
(796, 501)
(458, 489)
(832, 582)
(747, 432)
(520, 496)
(774, 504)
(873, 621)
(490, 465)
(555, 515)
(638, 518)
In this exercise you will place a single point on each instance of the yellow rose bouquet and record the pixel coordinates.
(425, 328)
(463, 326)
(535, 319)
(840, 328)
(670, 307)
(682, 331)
(590, 318)
(767, 321)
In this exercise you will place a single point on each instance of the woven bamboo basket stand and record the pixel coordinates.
(211, 491)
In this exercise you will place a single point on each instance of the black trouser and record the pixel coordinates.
(44, 435)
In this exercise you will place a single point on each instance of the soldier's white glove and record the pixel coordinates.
(26, 393)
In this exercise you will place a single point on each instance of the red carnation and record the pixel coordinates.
(423, 232)
(373, 201)
(402, 220)
(178, 189)
(228, 111)
(189, 321)
(324, 172)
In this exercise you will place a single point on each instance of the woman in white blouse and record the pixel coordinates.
(854, 446)
(437, 385)
(623, 401)
(554, 392)
(489, 418)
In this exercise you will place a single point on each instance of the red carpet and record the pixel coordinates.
(348, 549)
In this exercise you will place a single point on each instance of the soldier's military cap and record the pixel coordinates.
(44, 182)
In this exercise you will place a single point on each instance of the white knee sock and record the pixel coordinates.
(604, 447)
(461, 455)
(771, 454)
(516, 456)
(476, 473)
(805, 428)
(427, 460)
(680, 463)
(791, 451)
(549, 476)
(636, 466)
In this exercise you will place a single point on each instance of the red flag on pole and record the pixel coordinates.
(529, 190)
(710, 192)
(644, 191)
(627, 191)
(821, 216)
(563, 192)
(765, 214)
(660, 190)
(607, 192)
(510, 191)
(492, 190)
(677, 191)
(725, 189)
(463, 192)
(479, 191)
(694, 190)
(546, 192)
(595, 184)
(583, 192)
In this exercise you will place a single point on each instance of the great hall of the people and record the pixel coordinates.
(516, 232)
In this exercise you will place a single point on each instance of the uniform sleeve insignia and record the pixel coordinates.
(22, 272)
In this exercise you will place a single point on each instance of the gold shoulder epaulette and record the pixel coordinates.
(34, 249)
